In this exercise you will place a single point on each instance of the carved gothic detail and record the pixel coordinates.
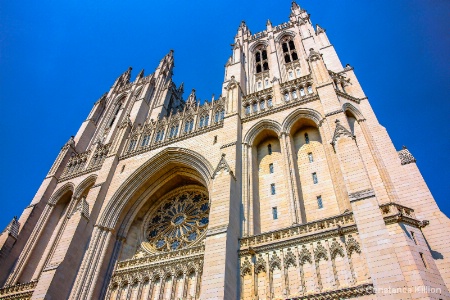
(405, 156)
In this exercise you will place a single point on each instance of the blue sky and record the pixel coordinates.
(58, 57)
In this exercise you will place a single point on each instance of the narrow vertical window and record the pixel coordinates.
(294, 94)
(259, 84)
(314, 176)
(290, 75)
(132, 145)
(275, 213)
(215, 139)
(145, 140)
(266, 82)
(255, 107)
(269, 149)
(319, 202)
(247, 110)
(423, 259)
(310, 89)
(262, 104)
(119, 106)
(261, 61)
(306, 138)
(298, 72)
(286, 97)
(413, 237)
(302, 92)
(269, 102)
(272, 188)
(271, 168)
(310, 157)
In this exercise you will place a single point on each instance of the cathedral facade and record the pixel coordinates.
(284, 187)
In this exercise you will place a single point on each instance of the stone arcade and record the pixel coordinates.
(284, 187)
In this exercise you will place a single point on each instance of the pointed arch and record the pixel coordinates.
(262, 125)
(284, 34)
(61, 192)
(89, 181)
(351, 108)
(129, 187)
(301, 113)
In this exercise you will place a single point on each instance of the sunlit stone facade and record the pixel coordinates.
(284, 187)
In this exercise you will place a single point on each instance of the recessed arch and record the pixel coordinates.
(284, 34)
(259, 127)
(264, 44)
(68, 187)
(130, 187)
(301, 113)
(353, 110)
(87, 182)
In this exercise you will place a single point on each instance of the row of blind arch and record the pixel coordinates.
(173, 130)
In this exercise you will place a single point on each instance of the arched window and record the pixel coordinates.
(286, 96)
(173, 131)
(261, 62)
(289, 52)
(116, 112)
(219, 116)
(188, 126)
(247, 110)
(306, 138)
(294, 94)
(255, 107)
(262, 104)
(145, 140)
(269, 102)
(302, 92)
(310, 89)
(204, 121)
(159, 136)
(269, 149)
(132, 145)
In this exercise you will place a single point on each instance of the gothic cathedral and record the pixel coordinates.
(284, 187)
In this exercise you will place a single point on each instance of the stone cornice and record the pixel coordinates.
(344, 293)
(348, 97)
(288, 105)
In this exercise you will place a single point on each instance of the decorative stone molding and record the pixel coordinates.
(320, 252)
(217, 230)
(345, 293)
(309, 232)
(13, 228)
(334, 112)
(360, 195)
(228, 145)
(340, 131)
(246, 267)
(405, 156)
(223, 165)
(18, 291)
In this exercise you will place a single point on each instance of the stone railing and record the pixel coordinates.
(159, 258)
(84, 163)
(19, 291)
(337, 223)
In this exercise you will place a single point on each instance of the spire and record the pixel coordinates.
(141, 74)
(269, 25)
(319, 29)
(295, 9)
(192, 100)
(181, 88)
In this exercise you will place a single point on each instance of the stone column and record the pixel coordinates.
(288, 171)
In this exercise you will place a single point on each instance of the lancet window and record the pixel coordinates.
(159, 136)
(261, 62)
(204, 121)
(289, 52)
(188, 126)
(173, 131)
(219, 116)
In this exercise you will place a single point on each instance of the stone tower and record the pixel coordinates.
(285, 187)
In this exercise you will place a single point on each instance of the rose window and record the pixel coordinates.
(178, 221)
